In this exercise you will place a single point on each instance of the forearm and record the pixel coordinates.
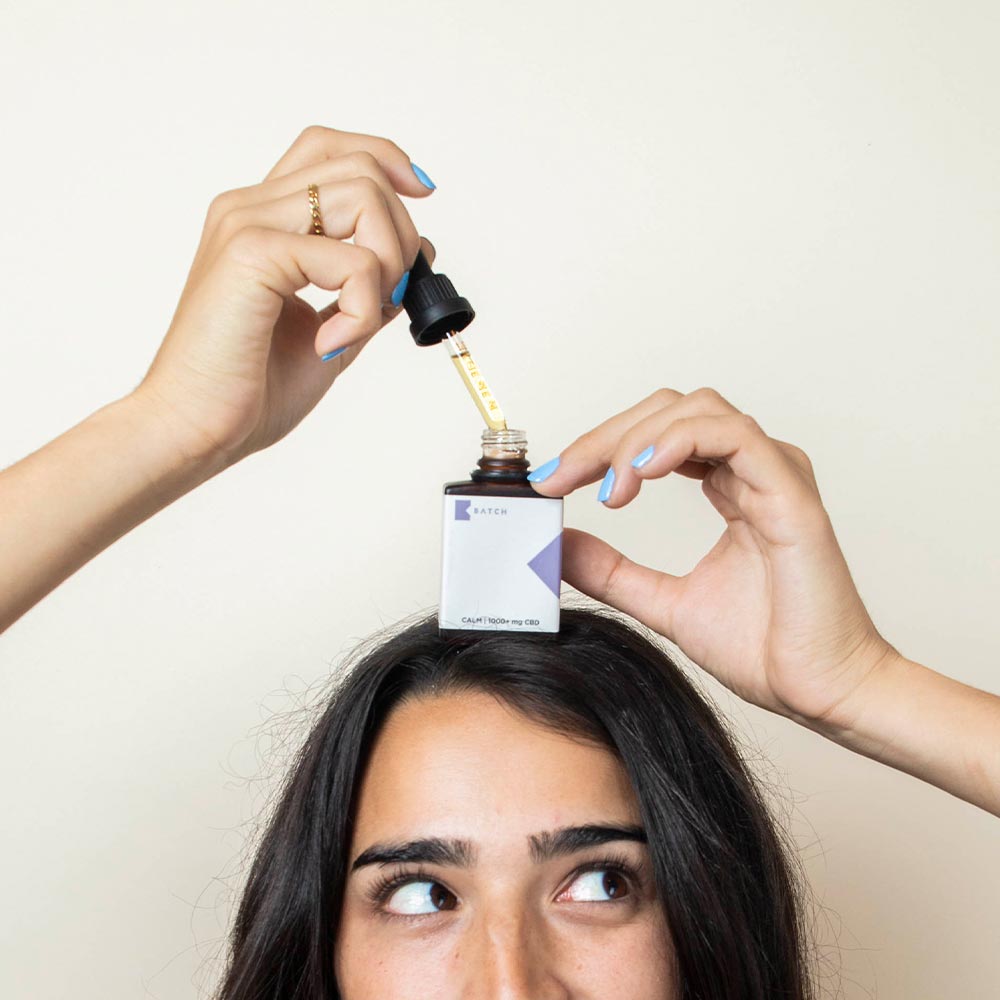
(930, 726)
(72, 498)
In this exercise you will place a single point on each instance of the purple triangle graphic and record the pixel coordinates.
(548, 564)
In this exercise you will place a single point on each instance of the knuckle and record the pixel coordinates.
(800, 456)
(368, 191)
(587, 442)
(250, 245)
(720, 479)
(614, 581)
(314, 135)
(230, 222)
(631, 444)
(376, 320)
(748, 424)
(371, 319)
(388, 146)
(220, 206)
(367, 263)
(363, 162)
(664, 396)
(794, 507)
(708, 486)
(708, 394)
(682, 428)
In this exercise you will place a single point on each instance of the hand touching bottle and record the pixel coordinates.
(771, 610)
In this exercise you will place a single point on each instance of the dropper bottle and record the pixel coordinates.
(501, 551)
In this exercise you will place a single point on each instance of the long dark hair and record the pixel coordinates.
(726, 879)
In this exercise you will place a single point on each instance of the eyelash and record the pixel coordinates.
(381, 890)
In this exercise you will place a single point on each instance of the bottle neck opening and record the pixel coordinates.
(504, 444)
(505, 455)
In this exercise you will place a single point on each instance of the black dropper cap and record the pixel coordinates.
(434, 307)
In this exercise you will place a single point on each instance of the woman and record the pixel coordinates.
(771, 610)
(530, 816)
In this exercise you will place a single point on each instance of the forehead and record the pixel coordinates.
(469, 765)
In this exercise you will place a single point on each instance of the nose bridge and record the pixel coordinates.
(509, 957)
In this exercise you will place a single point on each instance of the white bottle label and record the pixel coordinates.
(501, 563)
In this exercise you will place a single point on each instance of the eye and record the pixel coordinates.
(599, 885)
(413, 899)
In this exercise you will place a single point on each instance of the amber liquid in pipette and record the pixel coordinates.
(473, 378)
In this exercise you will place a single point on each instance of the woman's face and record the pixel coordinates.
(495, 900)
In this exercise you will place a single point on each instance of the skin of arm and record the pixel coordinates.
(926, 724)
(72, 498)
(771, 611)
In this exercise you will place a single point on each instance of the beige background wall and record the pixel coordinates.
(796, 203)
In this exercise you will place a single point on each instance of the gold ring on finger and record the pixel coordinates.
(317, 219)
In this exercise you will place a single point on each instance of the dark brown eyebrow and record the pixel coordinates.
(569, 839)
(463, 853)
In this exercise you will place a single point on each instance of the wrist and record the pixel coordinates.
(177, 455)
(928, 725)
(881, 669)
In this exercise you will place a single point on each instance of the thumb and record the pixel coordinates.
(600, 571)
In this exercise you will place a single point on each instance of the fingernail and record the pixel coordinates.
(333, 354)
(423, 178)
(400, 290)
(642, 458)
(607, 486)
(544, 471)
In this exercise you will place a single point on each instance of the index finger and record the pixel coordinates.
(686, 433)
(316, 143)
(583, 461)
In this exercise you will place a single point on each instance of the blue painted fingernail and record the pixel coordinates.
(607, 486)
(333, 354)
(642, 458)
(400, 290)
(423, 178)
(544, 471)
